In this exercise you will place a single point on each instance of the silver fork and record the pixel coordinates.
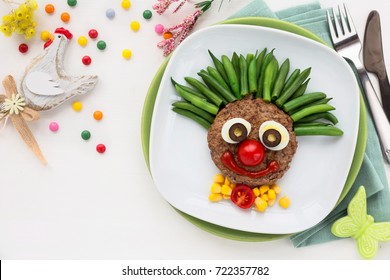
(347, 43)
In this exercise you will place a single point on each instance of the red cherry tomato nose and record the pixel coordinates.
(250, 152)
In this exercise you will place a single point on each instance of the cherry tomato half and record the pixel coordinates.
(250, 152)
(242, 196)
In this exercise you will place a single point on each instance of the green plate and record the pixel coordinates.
(232, 233)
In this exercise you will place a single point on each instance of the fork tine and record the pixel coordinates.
(344, 23)
(337, 24)
(349, 19)
(333, 34)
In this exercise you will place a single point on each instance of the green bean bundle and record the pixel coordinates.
(258, 74)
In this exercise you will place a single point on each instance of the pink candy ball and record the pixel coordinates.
(53, 126)
(159, 28)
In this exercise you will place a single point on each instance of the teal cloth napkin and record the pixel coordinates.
(372, 174)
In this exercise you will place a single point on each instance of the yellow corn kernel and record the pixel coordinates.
(232, 185)
(214, 197)
(216, 188)
(263, 189)
(225, 196)
(276, 188)
(271, 202)
(256, 191)
(271, 194)
(219, 178)
(264, 196)
(284, 202)
(260, 204)
(227, 181)
(226, 190)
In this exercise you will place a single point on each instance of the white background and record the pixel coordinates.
(84, 205)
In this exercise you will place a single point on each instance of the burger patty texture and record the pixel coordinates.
(256, 112)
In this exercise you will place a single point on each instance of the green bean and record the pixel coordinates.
(216, 75)
(232, 76)
(259, 62)
(219, 65)
(303, 100)
(196, 110)
(300, 91)
(318, 102)
(212, 88)
(249, 57)
(197, 101)
(318, 130)
(294, 75)
(206, 124)
(281, 79)
(244, 76)
(285, 95)
(226, 94)
(260, 81)
(212, 96)
(190, 90)
(326, 116)
(311, 110)
(252, 76)
(236, 64)
(270, 74)
(298, 124)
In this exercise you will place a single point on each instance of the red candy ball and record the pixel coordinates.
(100, 148)
(86, 60)
(93, 33)
(23, 48)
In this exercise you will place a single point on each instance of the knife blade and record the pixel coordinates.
(373, 58)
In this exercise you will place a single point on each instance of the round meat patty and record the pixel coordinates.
(256, 112)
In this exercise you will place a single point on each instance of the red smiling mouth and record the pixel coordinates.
(229, 161)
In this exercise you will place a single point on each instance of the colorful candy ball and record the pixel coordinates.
(100, 148)
(72, 3)
(126, 4)
(110, 13)
(77, 106)
(53, 126)
(82, 40)
(98, 115)
(93, 34)
(135, 25)
(86, 60)
(45, 35)
(167, 35)
(65, 17)
(147, 14)
(101, 45)
(85, 134)
(126, 53)
(159, 28)
(49, 8)
(23, 48)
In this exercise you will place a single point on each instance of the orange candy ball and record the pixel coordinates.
(98, 115)
(65, 17)
(49, 8)
(167, 35)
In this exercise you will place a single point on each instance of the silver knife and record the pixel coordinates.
(373, 58)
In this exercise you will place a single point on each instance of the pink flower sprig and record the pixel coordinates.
(162, 5)
(180, 32)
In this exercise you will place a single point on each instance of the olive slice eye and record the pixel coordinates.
(235, 130)
(238, 132)
(274, 135)
(271, 138)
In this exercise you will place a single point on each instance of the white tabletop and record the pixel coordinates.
(85, 205)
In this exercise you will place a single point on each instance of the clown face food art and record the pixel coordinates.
(253, 110)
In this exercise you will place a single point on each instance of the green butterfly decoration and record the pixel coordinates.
(360, 226)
